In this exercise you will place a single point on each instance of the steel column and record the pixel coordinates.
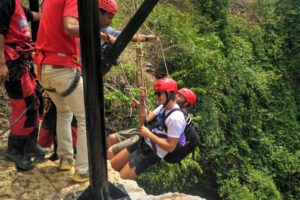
(34, 6)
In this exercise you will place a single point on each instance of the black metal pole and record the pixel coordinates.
(99, 187)
(94, 99)
(34, 6)
(125, 37)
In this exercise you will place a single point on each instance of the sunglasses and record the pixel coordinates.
(158, 93)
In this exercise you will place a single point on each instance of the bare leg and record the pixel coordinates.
(112, 139)
(110, 153)
(127, 172)
(120, 160)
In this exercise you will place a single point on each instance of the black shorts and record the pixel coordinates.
(141, 156)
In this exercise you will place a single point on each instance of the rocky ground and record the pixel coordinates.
(45, 182)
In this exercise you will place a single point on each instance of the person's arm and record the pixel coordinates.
(111, 31)
(144, 114)
(31, 15)
(107, 37)
(3, 68)
(175, 126)
(136, 38)
(144, 38)
(71, 26)
(70, 18)
(168, 145)
(36, 15)
(7, 8)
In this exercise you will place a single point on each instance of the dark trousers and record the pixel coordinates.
(21, 89)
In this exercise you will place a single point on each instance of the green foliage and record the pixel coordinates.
(242, 59)
(234, 190)
(254, 185)
(176, 177)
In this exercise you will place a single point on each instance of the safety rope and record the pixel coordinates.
(129, 87)
(134, 8)
(139, 61)
(162, 51)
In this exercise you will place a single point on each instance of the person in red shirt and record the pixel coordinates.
(16, 71)
(47, 135)
(59, 72)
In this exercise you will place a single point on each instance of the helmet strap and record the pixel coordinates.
(170, 96)
(183, 104)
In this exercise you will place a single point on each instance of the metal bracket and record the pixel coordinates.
(116, 192)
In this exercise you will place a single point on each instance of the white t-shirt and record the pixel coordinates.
(175, 127)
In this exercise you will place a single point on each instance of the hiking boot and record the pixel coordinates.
(66, 164)
(75, 153)
(81, 177)
(16, 153)
(53, 157)
(32, 148)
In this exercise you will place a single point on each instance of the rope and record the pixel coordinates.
(164, 58)
(130, 88)
(134, 8)
(139, 61)
(162, 51)
(140, 54)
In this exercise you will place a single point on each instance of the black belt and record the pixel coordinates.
(71, 88)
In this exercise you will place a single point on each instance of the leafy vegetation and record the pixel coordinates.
(242, 57)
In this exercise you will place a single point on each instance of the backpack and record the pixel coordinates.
(191, 137)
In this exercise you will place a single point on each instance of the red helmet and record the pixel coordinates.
(166, 84)
(110, 6)
(189, 95)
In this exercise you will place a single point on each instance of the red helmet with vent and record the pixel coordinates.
(166, 84)
(189, 95)
(110, 6)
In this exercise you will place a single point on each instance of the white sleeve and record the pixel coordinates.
(157, 110)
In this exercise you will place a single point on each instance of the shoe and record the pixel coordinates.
(53, 157)
(66, 164)
(81, 178)
(32, 148)
(20, 159)
(16, 153)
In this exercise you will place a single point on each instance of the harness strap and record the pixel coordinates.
(73, 85)
(164, 116)
(50, 89)
(38, 58)
(71, 88)
(14, 51)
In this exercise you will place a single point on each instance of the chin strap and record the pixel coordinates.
(170, 95)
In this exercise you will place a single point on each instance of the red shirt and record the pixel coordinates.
(18, 32)
(57, 47)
